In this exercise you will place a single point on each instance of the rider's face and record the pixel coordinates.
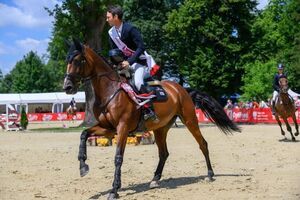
(111, 19)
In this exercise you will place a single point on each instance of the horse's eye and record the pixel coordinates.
(76, 62)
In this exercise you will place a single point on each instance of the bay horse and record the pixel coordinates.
(285, 108)
(117, 113)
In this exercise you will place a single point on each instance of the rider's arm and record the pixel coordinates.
(275, 83)
(137, 39)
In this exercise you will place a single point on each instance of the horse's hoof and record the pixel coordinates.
(296, 134)
(84, 170)
(210, 173)
(154, 184)
(208, 179)
(293, 139)
(112, 196)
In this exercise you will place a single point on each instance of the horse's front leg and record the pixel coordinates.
(279, 123)
(82, 155)
(121, 144)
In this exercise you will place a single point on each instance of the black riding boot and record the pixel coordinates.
(149, 112)
(148, 108)
(273, 107)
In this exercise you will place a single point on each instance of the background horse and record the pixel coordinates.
(118, 114)
(285, 107)
(71, 111)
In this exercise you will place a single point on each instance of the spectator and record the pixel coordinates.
(255, 104)
(229, 104)
(263, 104)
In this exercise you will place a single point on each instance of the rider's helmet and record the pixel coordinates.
(116, 56)
(280, 66)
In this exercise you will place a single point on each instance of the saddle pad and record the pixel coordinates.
(160, 93)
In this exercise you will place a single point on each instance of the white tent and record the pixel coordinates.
(10, 103)
(55, 100)
(53, 97)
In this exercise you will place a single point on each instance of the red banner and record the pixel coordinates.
(33, 117)
(243, 115)
(54, 117)
(252, 115)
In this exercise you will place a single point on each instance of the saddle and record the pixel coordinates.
(156, 93)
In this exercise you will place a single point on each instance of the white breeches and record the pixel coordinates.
(290, 92)
(139, 73)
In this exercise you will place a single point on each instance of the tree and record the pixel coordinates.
(29, 75)
(258, 80)
(207, 40)
(24, 120)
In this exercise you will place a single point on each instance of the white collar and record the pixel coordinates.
(119, 29)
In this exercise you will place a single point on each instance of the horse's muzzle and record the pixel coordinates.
(69, 87)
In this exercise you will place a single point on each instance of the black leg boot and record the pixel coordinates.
(148, 108)
(273, 107)
(149, 112)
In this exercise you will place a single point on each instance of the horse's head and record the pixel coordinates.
(283, 83)
(77, 67)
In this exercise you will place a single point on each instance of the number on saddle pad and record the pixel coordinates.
(159, 91)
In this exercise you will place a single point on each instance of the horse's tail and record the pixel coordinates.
(213, 110)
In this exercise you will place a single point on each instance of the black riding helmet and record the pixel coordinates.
(116, 56)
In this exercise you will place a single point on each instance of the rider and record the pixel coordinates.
(127, 38)
(276, 86)
(73, 104)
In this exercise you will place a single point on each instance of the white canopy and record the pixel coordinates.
(53, 97)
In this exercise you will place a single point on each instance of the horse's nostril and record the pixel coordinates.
(67, 88)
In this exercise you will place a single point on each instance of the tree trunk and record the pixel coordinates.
(95, 28)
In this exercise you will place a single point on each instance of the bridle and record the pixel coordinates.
(283, 88)
(80, 64)
(77, 77)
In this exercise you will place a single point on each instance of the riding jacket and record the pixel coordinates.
(131, 36)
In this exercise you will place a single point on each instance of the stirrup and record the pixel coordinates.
(151, 115)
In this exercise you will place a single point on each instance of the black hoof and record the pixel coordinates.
(210, 174)
(112, 196)
(84, 170)
(293, 139)
(296, 134)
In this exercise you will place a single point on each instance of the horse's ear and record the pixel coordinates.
(77, 44)
(68, 43)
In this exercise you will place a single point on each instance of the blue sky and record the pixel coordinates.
(25, 25)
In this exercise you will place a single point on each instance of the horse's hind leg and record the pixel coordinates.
(190, 120)
(296, 125)
(160, 139)
(289, 128)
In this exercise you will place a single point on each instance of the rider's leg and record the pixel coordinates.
(275, 93)
(139, 73)
(293, 94)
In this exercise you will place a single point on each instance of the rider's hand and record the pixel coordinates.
(125, 64)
